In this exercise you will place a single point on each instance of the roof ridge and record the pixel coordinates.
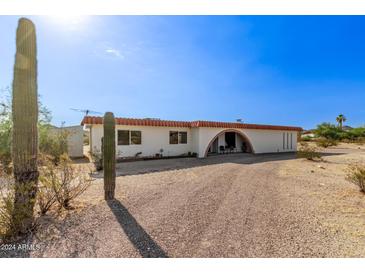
(174, 123)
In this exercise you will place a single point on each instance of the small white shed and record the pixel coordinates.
(75, 140)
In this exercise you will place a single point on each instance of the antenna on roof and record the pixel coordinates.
(149, 118)
(86, 111)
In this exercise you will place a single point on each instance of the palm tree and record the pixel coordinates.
(340, 120)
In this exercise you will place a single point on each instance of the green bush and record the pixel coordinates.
(5, 130)
(306, 138)
(332, 132)
(97, 159)
(308, 152)
(328, 131)
(356, 134)
(52, 142)
(356, 175)
(47, 143)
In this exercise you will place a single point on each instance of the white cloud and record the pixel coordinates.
(114, 52)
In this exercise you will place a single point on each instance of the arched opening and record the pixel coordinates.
(229, 141)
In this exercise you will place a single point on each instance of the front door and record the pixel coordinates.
(230, 139)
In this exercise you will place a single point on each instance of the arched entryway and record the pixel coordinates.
(229, 141)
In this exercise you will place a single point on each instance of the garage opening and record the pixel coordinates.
(229, 142)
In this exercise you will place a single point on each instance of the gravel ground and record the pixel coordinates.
(224, 206)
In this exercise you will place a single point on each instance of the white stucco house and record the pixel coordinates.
(155, 137)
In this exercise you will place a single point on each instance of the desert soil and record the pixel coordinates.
(223, 206)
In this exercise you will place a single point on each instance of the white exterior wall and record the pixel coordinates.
(221, 140)
(195, 140)
(239, 142)
(155, 138)
(75, 141)
(262, 141)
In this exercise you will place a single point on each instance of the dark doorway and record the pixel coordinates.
(230, 139)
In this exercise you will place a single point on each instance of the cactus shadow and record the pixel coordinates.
(145, 245)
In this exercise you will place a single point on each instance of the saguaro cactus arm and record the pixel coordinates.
(109, 155)
(25, 119)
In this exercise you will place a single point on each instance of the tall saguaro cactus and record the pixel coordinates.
(25, 119)
(109, 155)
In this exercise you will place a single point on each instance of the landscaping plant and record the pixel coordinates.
(25, 132)
(308, 152)
(324, 142)
(62, 183)
(6, 205)
(53, 143)
(109, 155)
(5, 130)
(356, 175)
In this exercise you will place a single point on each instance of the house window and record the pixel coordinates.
(291, 140)
(123, 137)
(178, 137)
(129, 137)
(174, 137)
(283, 140)
(287, 140)
(136, 137)
(183, 137)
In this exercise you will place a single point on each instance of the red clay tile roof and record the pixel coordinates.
(166, 123)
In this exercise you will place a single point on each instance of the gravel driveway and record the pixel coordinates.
(223, 206)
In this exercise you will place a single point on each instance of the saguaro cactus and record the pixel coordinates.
(25, 119)
(109, 155)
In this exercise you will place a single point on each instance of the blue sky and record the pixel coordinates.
(286, 70)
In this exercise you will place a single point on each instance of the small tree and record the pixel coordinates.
(340, 120)
(328, 131)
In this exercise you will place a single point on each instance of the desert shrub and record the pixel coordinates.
(361, 140)
(356, 175)
(324, 142)
(357, 132)
(328, 131)
(5, 130)
(6, 205)
(53, 143)
(306, 138)
(66, 181)
(308, 152)
(46, 142)
(97, 159)
(11, 221)
(46, 196)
